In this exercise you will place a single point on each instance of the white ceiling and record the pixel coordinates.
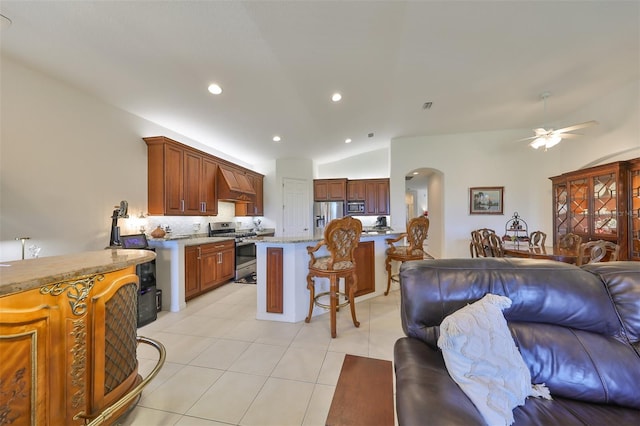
(482, 64)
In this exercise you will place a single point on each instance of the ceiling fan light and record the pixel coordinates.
(538, 143)
(553, 140)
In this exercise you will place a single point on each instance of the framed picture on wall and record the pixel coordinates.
(486, 200)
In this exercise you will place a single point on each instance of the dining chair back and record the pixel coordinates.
(479, 246)
(598, 251)
(495, 245)
(417, 232)
(570, 241)
(537, 239)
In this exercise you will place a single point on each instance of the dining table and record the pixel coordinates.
(557, 253)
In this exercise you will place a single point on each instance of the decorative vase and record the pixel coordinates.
(158, 232)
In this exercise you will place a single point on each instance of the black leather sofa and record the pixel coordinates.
(577, 328)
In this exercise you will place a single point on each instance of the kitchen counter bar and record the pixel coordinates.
(22, 275)
(290, 286)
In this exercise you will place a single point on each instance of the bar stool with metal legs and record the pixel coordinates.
(417, 230)
(341, 237)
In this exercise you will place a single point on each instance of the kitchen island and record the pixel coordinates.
(283, 264)
(171, 267)
(68, 336)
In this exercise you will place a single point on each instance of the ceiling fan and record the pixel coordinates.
(549, 137)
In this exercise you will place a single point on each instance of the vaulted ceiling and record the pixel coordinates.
(482, 64)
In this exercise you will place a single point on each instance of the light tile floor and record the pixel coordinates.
(224, 367)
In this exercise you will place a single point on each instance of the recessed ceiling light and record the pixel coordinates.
(416, 173)
(336, 97)
(215, 89)
(276, 138)
(347, 140)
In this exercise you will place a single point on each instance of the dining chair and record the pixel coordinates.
(597, 251)
(479, 246)
(341, 237)
(495, 245)
(537, 239)
(417, 231)
(570, 241)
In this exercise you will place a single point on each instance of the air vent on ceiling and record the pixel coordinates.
(427, 105)
(370, 135)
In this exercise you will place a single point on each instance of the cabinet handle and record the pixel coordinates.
(181, 205)
(219, 257)
(199, 253)
(203, 206)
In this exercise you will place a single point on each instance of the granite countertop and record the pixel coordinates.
(196, 239)
(187, 240)
(22, 275)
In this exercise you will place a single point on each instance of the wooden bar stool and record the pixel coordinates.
(417, 230)
(341, 237)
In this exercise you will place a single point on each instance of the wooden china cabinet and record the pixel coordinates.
(594, 203)
(634, 205)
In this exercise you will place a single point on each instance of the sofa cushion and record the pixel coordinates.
(580, 365)
(482, 358)
(622, 280)
(426, 395)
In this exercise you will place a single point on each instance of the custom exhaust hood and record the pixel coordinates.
(234, 186)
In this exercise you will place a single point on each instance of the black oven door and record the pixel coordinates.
(245, 259)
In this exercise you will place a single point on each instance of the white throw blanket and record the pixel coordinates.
(483, 360)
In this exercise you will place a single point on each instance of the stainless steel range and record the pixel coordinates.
(245, 248)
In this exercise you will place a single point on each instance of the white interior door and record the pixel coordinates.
(296, 209)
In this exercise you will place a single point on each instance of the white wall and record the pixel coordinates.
(370, 165)
(66, 159)
(494, 159)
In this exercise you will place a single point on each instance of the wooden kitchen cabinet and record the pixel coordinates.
(330, 189)
(255, 207)
(181, 181)
(374, 193)
(356, 190)
(376, 197)
(593, 203)
(208, 187)
(208, 266)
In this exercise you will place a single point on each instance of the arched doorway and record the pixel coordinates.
(424, 196)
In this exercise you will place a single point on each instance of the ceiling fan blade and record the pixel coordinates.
(527, 139)
(570, 135)
(541, 132)
(576, 126)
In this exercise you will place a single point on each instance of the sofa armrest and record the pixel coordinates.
(425, 393)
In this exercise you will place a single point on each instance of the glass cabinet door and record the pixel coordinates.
(605, 201)
(561, 209)
(635, 214)
(579, 209)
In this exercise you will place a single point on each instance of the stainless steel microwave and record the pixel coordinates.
(355, 207)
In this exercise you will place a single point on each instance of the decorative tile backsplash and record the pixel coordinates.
(184, 225)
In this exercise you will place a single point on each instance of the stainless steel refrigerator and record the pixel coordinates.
(325, 211)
